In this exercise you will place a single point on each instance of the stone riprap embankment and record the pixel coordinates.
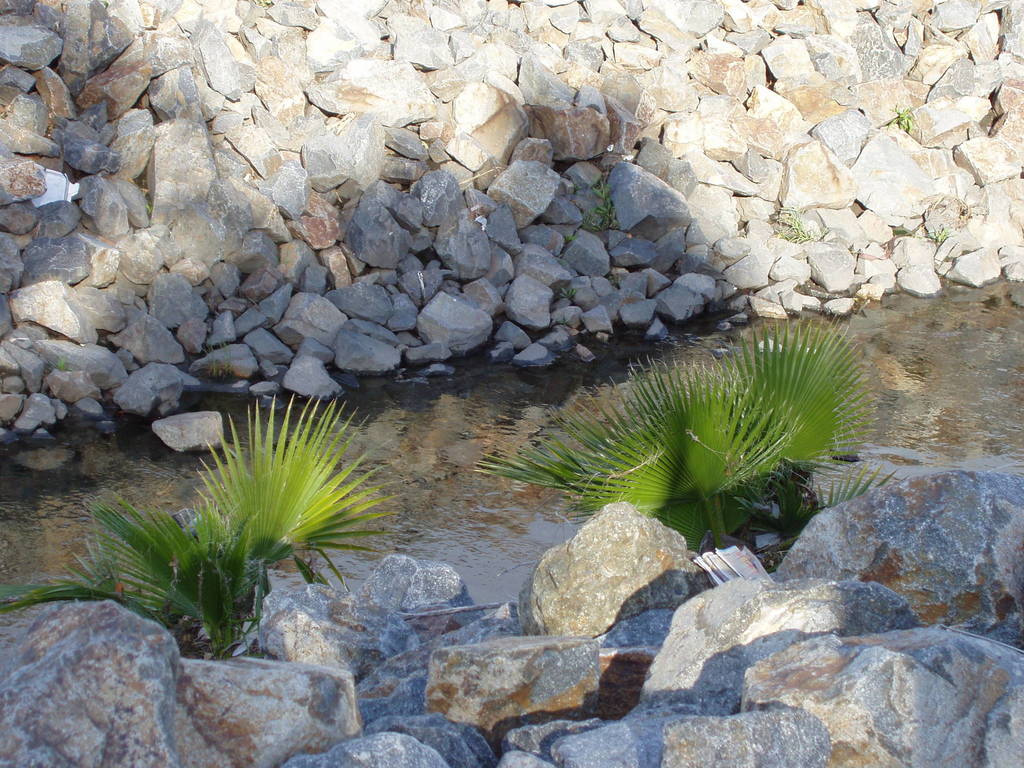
(286, 192)
(834, 664)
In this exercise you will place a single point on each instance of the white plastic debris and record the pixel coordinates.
(58, 187)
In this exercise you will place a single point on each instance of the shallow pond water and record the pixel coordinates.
(948, 375)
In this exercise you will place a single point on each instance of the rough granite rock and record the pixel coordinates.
(718, 634)
(527, 187)
(259, 713)
(499, 684)
(619, 564)
(381, 750)
(777, 738)
(947, 542)
(644, 204)
(460, 745)
(914, 697)
(102, 675)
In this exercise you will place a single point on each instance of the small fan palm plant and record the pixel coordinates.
(716, 449)
(287, 496)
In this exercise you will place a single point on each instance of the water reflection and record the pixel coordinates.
(949, 376)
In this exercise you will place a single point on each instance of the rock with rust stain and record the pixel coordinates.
(918, 697)
(952, 543)
(718, 634)
(258, 713)
(500, 684)
(619, 564)
(623, 671)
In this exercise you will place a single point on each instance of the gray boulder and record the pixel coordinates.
(911, 537)
(619, 564)
(365, 300)
(455, 322)
(464, 248)
(309, 316)
(460, 745)
(102, 365)
(172, 300)
(528, 303)
(314, 624)
(403, 583)
(527, 187)
(155, 386)
(149, 341)
(718, 634)
(55, 258)
(374, 235)
(197, 431)
(440, 195)
(380, 750)
(356, 352)
(307, 376)
(29, 47)
(644, 204)
(233, 361)
(587, 255)
(103, 677)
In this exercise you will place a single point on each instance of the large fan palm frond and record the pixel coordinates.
(810, 375)
(287, 491)
(694, 446)
(290, 489)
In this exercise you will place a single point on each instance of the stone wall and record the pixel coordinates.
(283, 192)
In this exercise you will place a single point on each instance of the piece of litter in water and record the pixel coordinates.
(58, 187)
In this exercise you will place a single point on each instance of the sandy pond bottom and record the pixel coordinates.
(948, 375)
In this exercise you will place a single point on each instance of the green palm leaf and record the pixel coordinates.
(696, 447)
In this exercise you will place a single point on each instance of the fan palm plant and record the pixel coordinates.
(715, 448)
(281, 498)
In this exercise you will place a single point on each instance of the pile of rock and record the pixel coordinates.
(625, 658)
(278, 192)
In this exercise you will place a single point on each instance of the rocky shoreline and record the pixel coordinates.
(890, 635)
(286, 195)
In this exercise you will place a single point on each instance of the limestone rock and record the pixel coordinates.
(718, 634)
(889, 182)
(816, 178)
(393, 90)
(498, 684)
(196, 431)
(620, 563)
(911, 537)
(53, 305)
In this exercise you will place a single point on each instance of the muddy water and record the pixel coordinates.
(948, 375)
